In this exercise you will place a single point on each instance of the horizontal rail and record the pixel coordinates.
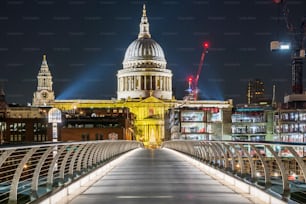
(270, 166)
(31, 171)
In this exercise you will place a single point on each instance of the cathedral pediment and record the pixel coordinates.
(151, 99)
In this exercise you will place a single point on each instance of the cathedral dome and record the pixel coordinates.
(144, 49)
(144, 52)
(144, 72)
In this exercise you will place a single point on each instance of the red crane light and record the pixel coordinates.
(190, 79)
(277, 1)
(206, 45)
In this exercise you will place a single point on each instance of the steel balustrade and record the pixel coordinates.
(32, 171)
(266, 165)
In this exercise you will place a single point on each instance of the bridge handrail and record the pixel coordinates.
(251, 161)
(31, 171)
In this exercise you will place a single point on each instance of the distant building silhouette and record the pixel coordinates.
(255, 91)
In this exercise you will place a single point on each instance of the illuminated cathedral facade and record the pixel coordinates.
(144, 85)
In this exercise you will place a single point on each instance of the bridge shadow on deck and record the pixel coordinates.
(158, 176)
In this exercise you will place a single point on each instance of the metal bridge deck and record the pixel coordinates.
(158, 176)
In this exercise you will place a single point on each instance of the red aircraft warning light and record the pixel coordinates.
(206, 45)
(277, 1)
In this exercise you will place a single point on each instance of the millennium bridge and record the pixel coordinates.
(177, 172)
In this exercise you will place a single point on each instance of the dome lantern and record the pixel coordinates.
(144, 25)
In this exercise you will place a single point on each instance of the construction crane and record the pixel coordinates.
(298, 47)
(193, 89)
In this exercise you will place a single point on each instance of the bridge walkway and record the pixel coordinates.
(158, 176)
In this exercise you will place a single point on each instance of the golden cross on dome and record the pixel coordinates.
(144, 12)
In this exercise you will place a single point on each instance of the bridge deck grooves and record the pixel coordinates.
(158, 176)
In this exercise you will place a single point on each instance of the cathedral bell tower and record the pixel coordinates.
(44, 95)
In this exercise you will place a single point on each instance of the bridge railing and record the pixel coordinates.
(32, 171)
(271, 166)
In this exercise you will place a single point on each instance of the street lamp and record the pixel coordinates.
(2, 129)
(277, 45)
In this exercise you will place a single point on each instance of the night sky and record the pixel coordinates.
(85, 42)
